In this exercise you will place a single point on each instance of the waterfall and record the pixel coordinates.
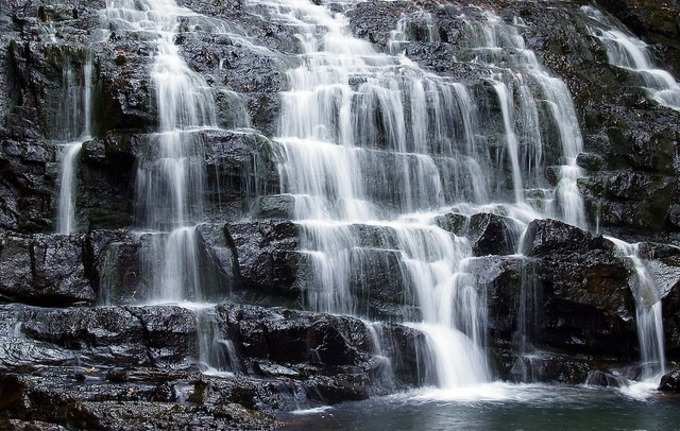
(170, 181)
(78, 118)
(369, 141)
(626, 51)
(171, 177)
(511, 140)
(497, 43)
(648, 316)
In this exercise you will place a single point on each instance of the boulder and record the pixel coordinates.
(295, 337)
(101, 336)
(501, 279)
(670, 382)
(453, 222)
(380, 285)
(267, 257)
(117, 267)
(605, 379)
(492, 234)
(544, 237)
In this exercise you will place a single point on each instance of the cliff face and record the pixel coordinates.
(83, 347)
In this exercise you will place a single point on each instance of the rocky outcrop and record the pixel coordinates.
(585, 291)
(492, 234)
(671, 382)
(143, 356)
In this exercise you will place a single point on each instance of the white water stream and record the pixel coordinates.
(627, 51)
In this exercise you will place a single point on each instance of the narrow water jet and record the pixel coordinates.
(216, 354)
(78, 106)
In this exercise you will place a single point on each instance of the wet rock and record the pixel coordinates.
(655, 21)
(219, 257)
(106, 177)
(304, 345)
(294, 337)
(452, 222)
(605, 379)
(117, 267)
(26, 203)
(267, 257)
(117, 375)
(590, 161)
(670, 382)
(60, 401)
(275, 206)
(44, 269)
(380, 284)
(492, 234)
(670, 308)
(239, 167)
(544, 237)
(631, 198)
(500, 278)
(551, 367)
(112, 336)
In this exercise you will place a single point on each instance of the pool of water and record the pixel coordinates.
(499, 406)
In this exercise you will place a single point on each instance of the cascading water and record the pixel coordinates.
(627, 51)
(170, 183)
(648, 315)
(369, 142)
(78, 120)
(497, 43)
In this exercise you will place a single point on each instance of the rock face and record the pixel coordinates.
(145, 352)
(585, 290)
(84, 346)
(44, 269)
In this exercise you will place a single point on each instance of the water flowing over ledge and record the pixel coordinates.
(270, 206)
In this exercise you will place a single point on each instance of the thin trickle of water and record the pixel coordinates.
(627, 51)
(66, 206)
(511, 140)
(217, 354)
(78, 119)
(648, 315)
(375, 338)
(529, 321)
